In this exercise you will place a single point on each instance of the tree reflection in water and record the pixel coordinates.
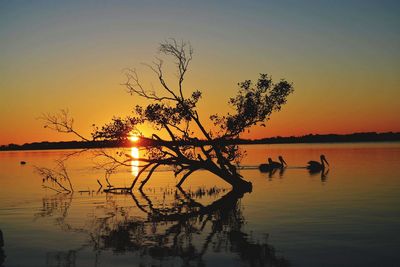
(182, 232)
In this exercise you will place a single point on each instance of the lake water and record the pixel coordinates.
(349, 216)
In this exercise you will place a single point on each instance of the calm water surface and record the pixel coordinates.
(349, 216)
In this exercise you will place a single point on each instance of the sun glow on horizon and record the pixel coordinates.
(133, 138)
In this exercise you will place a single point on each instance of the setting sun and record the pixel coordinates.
(134, 138)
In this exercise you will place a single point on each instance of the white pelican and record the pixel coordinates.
(266, 167)
(279, 165)
(316, 166)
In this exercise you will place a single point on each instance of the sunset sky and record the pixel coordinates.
(343, 58)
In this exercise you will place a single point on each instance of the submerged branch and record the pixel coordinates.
(56, 177)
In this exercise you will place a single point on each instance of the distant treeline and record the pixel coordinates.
(332, 138)
(310, 138)
(60, 145)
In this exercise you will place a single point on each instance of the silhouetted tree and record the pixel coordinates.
(174, 111)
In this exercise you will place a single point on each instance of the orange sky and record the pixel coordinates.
(342, 59)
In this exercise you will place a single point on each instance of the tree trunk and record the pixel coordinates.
(238, 184)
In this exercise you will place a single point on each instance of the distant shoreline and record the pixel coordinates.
(305, 139)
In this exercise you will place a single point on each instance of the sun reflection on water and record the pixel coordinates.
(134, 162)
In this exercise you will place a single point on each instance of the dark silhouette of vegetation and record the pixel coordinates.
(173, 112)
(332, 138)
(182, 229)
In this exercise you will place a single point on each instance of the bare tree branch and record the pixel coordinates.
(61, 122)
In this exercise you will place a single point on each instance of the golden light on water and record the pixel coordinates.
(134, 162)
